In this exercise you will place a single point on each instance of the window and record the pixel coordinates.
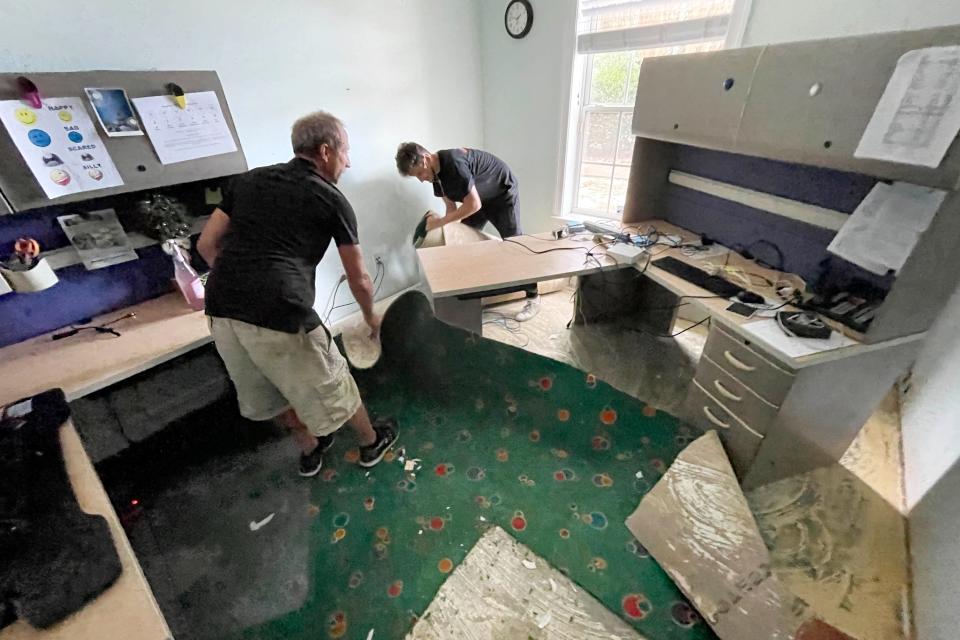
(614, 36)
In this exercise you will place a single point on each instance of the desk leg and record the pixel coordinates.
(465, 314)
(625, 295)
(827, 406)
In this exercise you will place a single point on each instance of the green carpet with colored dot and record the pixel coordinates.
(549, 453)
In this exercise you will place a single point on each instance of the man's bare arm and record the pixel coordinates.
(470, 205)
(208, 244)
(360, 284)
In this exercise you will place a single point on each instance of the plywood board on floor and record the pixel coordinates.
(697, 525)
(841, 547)
(503, 590)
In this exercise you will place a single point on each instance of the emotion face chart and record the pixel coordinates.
(59, 143)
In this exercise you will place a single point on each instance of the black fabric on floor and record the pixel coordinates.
(54, 558)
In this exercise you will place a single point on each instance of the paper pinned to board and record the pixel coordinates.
(918, 115)
(770, 333)
(178, 134)
(98, 237)
(881, 234)
(60, 145)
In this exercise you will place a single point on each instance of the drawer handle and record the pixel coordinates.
(737, 362)
(726, 393)
(714, 419)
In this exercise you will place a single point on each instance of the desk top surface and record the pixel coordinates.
(482, 266)
(758, 279)
(127, 609)
(164, 328)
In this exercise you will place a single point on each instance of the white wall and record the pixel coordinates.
(380, 65)
(931, 456)
(789, 20)
(526, 89)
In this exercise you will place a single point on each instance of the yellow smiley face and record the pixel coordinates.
(24, 115)
(66, 116)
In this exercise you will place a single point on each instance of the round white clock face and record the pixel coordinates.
(517, 18)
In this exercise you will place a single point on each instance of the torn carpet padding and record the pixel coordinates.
(697, 525)
(54, 558)
(503, 590)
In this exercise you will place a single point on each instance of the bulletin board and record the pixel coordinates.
(134, 156)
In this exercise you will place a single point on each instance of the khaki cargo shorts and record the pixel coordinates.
(274, 371)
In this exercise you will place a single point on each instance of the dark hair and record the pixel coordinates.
(408, 156)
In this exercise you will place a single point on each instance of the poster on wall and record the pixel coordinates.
(60, 144)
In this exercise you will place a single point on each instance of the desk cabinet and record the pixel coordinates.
(775, 420)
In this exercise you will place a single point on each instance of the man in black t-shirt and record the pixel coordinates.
(263, 244)
(482, 184)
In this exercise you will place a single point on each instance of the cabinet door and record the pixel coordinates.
(810, 103)
(694, 99)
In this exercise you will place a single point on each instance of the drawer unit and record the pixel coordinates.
(735, 396)
(736, 357)
(704, 411)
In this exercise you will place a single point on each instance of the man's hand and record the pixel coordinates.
(434, 221)
(374, 321)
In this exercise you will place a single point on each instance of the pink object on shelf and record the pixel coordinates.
(187, 279)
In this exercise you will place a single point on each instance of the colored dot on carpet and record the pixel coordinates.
(591, 380)
(352, 455)
(559, 476)
(369, 503)
(546, 383)
(649, 411)
(535, 436)
(564, 533)
(441, 470)
(519, 523)
(395, 589)
(436, 524)
(341, 520)
(445, 565)
(608, 416)
(636, 606)
(563, 415)
(337, 625)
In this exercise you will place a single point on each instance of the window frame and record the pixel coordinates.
(580, 108)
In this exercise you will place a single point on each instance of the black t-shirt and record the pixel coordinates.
(461, 169)
(282, 219)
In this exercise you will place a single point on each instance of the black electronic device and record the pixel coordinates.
(744, 310)
(713, 284)
(802, 324)
(750, 297)
(855, 310)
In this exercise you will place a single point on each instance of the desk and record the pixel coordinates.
(163, 329)
(778, 415)
(127, 609)
(453, 273)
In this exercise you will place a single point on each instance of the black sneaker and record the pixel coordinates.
(386, 431)
(325, 442)
(311, 463)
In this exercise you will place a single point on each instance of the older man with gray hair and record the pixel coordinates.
(263, 244)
